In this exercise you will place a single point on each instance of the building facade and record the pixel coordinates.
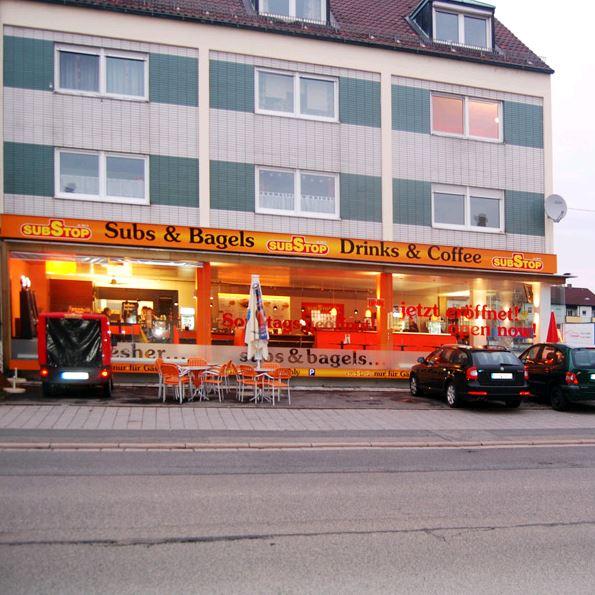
(383, 172)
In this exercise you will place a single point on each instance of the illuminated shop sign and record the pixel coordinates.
(277, 244)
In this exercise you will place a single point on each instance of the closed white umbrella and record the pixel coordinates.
(257, 333)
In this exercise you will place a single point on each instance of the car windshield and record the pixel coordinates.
(584, 358)
(495, 358)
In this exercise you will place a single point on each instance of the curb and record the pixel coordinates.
(201, 446)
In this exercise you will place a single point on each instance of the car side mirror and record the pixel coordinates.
(421, 360)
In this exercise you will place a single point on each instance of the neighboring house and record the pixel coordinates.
(364, 158)
(580, 304)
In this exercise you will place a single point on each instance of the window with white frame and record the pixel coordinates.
(470, 27)
(467, 117)
(297, 192)
(460, 207)
(299, 10)
(297, 95)
(98, 71)
(102, 176)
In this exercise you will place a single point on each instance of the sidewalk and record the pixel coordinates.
(67, 425)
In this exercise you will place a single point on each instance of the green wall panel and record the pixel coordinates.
(412, 202)
(174, 181)
(523, 124)
(231, 86)
(524, 213)
(411, 109)
(173, 79)
(232, 186)
(28, 63)
(28, 169)
(361, 197)
(359, 102)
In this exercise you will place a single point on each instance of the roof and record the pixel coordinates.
(579, 296)
(375, 23)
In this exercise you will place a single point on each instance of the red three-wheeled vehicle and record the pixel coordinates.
(74, 349)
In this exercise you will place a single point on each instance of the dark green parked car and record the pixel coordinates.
(560, 373)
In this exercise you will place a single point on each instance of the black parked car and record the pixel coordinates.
(560, 373)
(464, 373)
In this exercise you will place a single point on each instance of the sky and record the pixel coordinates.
(556, 35)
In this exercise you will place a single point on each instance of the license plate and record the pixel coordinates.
(501, 375)
(75, 375)
(592, 376)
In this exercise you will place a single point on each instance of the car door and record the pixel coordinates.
(531, 361)
(423, 370)
(427, 372)
(554, 366)
(542, 369)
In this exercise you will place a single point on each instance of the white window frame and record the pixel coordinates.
(297, 182)
(103, 54)
(461, 13)
(292, 16)
(467, 192)
(102, 196)
(466, 99)
(297, 98)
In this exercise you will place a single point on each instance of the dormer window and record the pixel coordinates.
(298, 10)
(458, 22)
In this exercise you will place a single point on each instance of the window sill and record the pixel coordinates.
(469, 229)
(101, 96)
(103, 199)
(456, 45)
(494, 141)
(297, 215)
(260, 112)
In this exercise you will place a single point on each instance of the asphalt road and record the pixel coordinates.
(516, 520)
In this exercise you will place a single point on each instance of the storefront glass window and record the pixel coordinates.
(153, 307)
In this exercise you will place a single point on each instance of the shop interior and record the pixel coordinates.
(330, 307)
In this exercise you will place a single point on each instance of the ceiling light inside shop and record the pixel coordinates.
(465, 293)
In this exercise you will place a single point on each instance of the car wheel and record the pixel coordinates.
(512, 403)
(557, 399)
(47, 390)
(414, 387)
(452, 398)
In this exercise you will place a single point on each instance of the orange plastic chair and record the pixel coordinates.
(278, 381)
(248, 379)
(172, 377)
(160, 387)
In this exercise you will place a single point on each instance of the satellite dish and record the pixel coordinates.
(555, 207)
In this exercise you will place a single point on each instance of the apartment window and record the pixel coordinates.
(92, 71)
(303, 10)
(469, 28)
(101, 176)
(457, 207)
(296, 95)
(467, 117)
(296, 192)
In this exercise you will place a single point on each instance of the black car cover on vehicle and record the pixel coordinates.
(73, 342)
